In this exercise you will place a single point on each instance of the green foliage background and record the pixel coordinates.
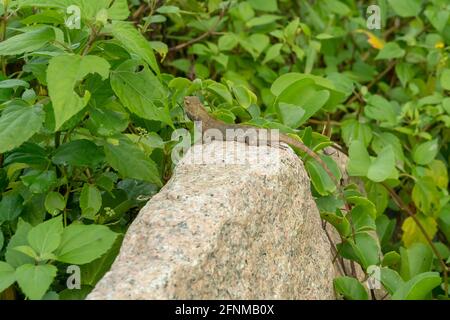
(87, 116)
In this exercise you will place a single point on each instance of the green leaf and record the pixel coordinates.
(415, 260)
(290, 114)
(406, 8)
(221, 90)
(385, 228)
(425, 153)
(82, 244)
(445, 79)
(2, 240)
(353, 130)
(11, 206)
(437, 171)
(63, 74)
(13, 83)
(81, 153)
(29, 251)
(304, 96)
(391, 280)
(391, 259)
(119, 10)
(27, 42)
(34, 280)
(131, 162)
(359, 162)
(413, 234)
(425, 196)
(46, 237)
(168, 10)
(383, 166)
(273, 52)
(378, 108)
(264, 5)
(39, 181)
(341, 223)
(90, 201)
(92, 272)
(405, 72)
(18, 123)
(227, 42)
(134, 42)
(367, 249)
(419, 287)
(141, 91)
(438, 18)
(13, 257)
(262, 20)
(350, 288)
(244, 96)
(390, 51)
(28, 153)
(320, 179)
(362, 219)
(107, 122)
(287, 80)
(7, 275)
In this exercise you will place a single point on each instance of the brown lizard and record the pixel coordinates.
(197, 112)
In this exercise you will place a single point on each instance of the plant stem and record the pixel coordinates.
(3, 23)
(211, 31)
(90, 42)
(399, 202)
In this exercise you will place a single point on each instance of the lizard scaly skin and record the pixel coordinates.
(197, 112)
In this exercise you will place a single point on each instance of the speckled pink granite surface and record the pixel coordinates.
(220, 230)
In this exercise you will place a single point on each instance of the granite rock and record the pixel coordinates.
(233, 222)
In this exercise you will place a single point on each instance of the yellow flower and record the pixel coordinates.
(373, 40)
(439, 45)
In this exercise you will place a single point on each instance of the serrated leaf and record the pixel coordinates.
(18, 123)
(133, 89)
(7, 276)
(63, 73)
(34, 280)
(11, 206)
(13, 257)
(45, 237)
(27, 41)
(134, 42)
(82, 244)
(81, 153)
(131, 162)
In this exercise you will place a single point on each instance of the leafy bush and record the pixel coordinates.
(88, 112)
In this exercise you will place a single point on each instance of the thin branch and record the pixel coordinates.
(374, 81)
(208, 33)
(409, 212)
(90, 42)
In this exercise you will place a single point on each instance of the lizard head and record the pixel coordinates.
(194, 109)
